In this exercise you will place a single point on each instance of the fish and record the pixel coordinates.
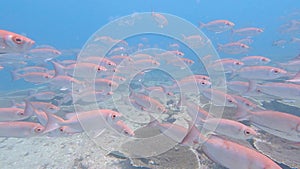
(247, 41)
(188, 85)
(261, 72)
(249, 31)
(46, 106)
(281, 90)
(14, 43)
(227, 153)
(194, 110)
(147, 103)
(33, 77)
(255, 60)
(100, 61)
(295, 79)
(235, 156)
(169, 53)
(280, 124)
(42, 95)
(181, 62)
(194, 41)
(105, 84)
(293, 65)
(227, 65)
(90, 96)
(20, 129)
(196, 76)
(229, 128)
(233, 48)
(219, 98)
(141, 56)
(218, 26)
(30, 69)
(93, 120)
(160, 19)
(42, 54)
(15, 114)
(295, 40)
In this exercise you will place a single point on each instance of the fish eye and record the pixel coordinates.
(99, 69)
(247, 132)
(247, 104)
(20, 113)
(37, 130)
(113, 116)
(52, 108)
(264, 59)
(18, 40)
(230, 101)
(276, 71)
(61, 129)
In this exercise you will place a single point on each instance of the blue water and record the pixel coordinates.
(67, 25)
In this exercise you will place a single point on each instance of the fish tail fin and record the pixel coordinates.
(59, 69)
(153, 122)
(29, 109)
(297, 75)
(252, 86)
(15, 75)
(53, 122)
(201, 25)
(241, 114)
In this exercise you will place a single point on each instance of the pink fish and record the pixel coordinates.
(89, 120)
(100, 61)
(227, 153)
(11, 42)
(146, 103)
(227, 65)
(105, 84)
(250, 31)
(280, 124)
(281, 90)
(233, 48)
(255, 60)
(235, 156)
(160, 19)
(14, 114)
(196, 76)
(33, 77)
(181, 62)
(42, 53)
(219, 98)
(229, 128)
(261, 72)
(218, 26)
(20, 129)
(195, 41)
